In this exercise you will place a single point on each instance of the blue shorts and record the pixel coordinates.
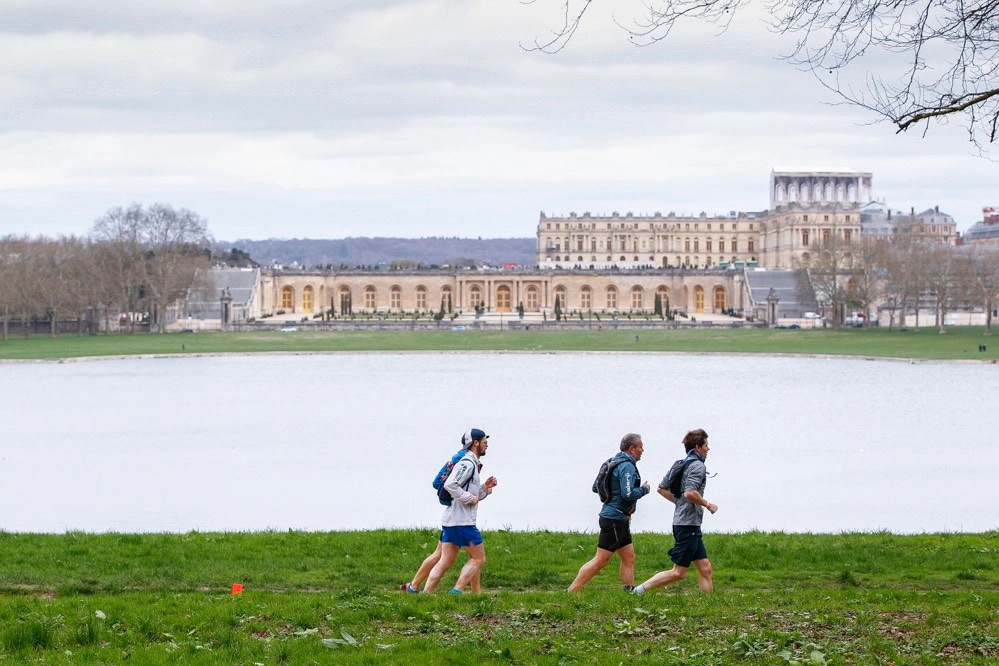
(689, 545)
(462, 535)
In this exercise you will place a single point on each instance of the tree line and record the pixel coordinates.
(132, 264)
(902, 276)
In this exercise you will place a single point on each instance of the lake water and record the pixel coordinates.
(352, 441)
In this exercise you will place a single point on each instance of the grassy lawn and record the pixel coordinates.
(312, 597)
(958, 343)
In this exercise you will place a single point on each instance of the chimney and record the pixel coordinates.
(936, 209)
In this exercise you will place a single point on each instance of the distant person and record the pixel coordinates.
(626, 488)
(459, 530)
(688, 513)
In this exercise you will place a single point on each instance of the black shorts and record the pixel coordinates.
(689, 545)
(614, 534)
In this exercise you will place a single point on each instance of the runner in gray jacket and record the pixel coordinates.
(688, 513)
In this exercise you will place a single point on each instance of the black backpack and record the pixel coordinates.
(602, 484)
(674, 477)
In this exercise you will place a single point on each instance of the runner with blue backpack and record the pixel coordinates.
(465, 489)
(619, 486)
(684, 486)
(413, 586)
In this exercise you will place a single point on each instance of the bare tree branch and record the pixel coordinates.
(934, 59)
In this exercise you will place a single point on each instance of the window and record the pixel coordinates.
(395, 297)
(699, 299)
(611, 298)
(707, 245)
(307, 294)
(369, 297)
(503, 299)
(421, 298)
(560, 297)
(446, 300)
(847, 235)
(735, 245)
(475, 297)
(288, 298)
(804, 237)
(719, 299)
(637, 298)
(585, 298)
(532, 298)
(663, 294)
(752, 244)
(721, 244)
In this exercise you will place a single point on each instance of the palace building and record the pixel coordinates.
(805, 207)
(736, 264)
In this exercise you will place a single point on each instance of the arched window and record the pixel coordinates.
(370, 294)
(503, 299)
(532, 298)
(345, 304)
(699, 299)
(395, 297)
(307, 299)
(637, 298)
(421, 297)
(447, 299)
(475, 297)
(663, 293)
(611, 298)
(719, 299)
(586, 298)
(288, 299)
(560, 294)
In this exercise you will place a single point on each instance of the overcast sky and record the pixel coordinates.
(335, 118)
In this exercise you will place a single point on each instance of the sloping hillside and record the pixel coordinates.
(363, 251)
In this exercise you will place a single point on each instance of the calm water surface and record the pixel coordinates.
(352, 441)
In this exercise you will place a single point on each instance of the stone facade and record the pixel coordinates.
(614, 263)
(312, 293)
(806, 207)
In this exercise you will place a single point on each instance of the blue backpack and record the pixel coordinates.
(443, 496)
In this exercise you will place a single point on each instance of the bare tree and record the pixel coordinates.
(867, 280)
(944, 282)
(938, 59)
(154, 253)
(829, 271)
(178, 243)
(985, 281)
(9, 255)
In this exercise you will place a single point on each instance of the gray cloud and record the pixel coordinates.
(397, 117)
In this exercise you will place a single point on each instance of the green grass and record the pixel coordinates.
(958, 343)
(311, 597)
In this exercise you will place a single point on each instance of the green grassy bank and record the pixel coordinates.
(323, 598)
(958, 343)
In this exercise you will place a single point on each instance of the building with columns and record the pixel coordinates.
(623, 263)
(311, 293)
